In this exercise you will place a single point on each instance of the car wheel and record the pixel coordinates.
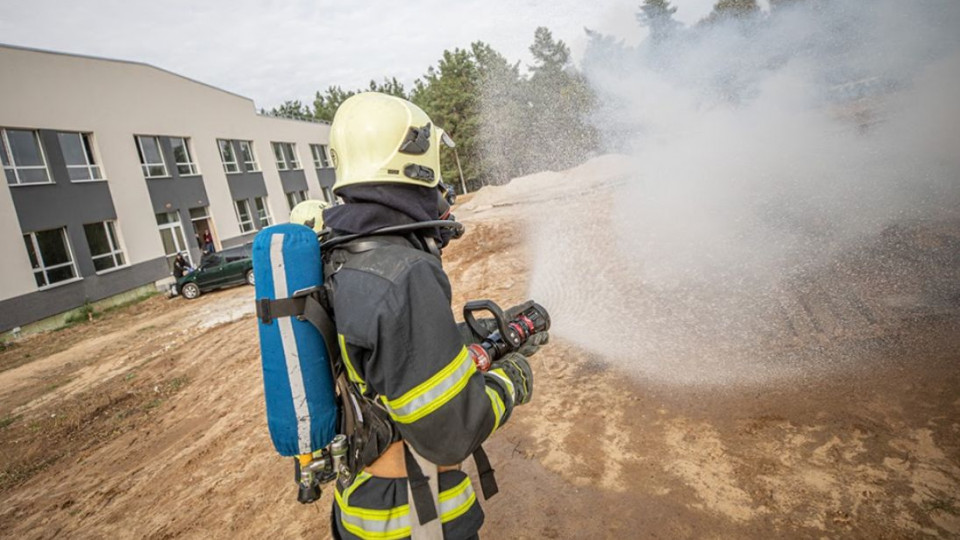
(249, 277)
(190, 291)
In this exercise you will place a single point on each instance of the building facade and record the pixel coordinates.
(113, 167)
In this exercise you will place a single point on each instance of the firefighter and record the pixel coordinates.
(309, 213)
(398, 338)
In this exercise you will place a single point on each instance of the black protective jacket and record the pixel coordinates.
(399, 342)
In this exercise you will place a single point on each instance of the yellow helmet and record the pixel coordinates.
(378, 138)
(309, 213)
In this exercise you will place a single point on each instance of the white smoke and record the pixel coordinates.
(759, 151)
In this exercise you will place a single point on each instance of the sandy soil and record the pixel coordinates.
(149, 421)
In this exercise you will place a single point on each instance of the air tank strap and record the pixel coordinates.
(309, 305)
(488, 482)
(423, 489)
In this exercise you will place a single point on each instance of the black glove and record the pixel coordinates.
(516, 368)
(533, 343)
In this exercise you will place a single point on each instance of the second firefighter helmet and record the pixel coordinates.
(309, 213)
(377, 138)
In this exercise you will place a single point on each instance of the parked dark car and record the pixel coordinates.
(232, 266)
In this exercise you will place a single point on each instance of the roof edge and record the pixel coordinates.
(120, 61)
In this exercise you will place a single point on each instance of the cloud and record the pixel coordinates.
(273, 51)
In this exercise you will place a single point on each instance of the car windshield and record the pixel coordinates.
(210, 260)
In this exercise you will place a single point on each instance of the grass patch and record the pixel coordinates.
(153, 404)
(79, 422)
(177, 383)
(82, 314)
(53, 386)
(943, 505)
(88, 312)
(18, 473)
(129, 303)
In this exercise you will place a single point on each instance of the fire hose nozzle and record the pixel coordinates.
(530, 318)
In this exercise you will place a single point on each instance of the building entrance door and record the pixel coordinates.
(171, 233)
(205, 235)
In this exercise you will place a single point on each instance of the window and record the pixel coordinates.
(151, 159)
(22, 157)
(78, 155)
(211, 260)
(296, 197)
(235, 254)
(228, 156)
(104, 248)
(286, 155)
(319, 152)
(263, 211)
(50, 256)
(278, 154)
(171, 234)
(243, 215)
(249, 158)
(182, 156)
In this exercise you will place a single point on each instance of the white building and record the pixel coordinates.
(112, 167)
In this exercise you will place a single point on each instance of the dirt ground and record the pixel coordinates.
(148, 421)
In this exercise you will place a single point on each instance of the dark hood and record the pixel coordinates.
(368, 207)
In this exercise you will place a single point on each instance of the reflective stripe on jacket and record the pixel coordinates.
(377, 508)
(400, 342)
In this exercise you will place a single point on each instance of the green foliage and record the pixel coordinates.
(657, 15)
(504, 124)
(549, 55)
(326, 104)
(503, 110)
(292, 109)
(559, 100)
(449, 95)
(7, 420)
(389, 86)
(732, 9)
(81, 314)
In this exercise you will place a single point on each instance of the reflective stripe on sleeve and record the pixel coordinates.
(502, 375)
(433, 393)
(351, 371)
(498, 408)
(394, 523)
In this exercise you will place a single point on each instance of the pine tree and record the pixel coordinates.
(501, 122)
(448, 94)
(559, 99)
(389, 86)
(325, 105)
(292, 109)
(657, 15)
(732, 9)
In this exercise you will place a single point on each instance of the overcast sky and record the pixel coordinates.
(271, 51)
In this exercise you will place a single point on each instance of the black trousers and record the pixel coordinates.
(335, 531)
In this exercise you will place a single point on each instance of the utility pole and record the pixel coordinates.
(463, 183)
